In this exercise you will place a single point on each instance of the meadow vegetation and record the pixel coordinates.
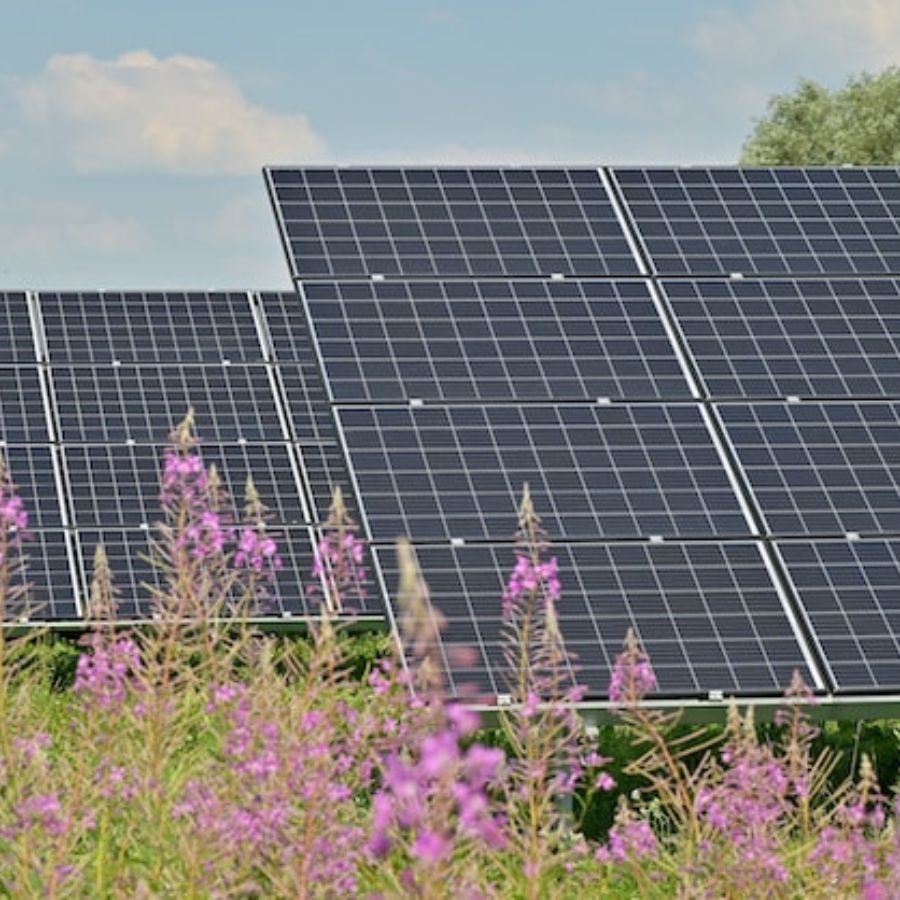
(200, 757)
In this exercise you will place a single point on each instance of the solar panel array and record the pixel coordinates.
(95, 383)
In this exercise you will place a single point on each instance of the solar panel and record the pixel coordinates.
(287, 594)
(438, 473)
(23, 417)
(162, 327)
(823, 221)
(850, 595)
(47, 581)
(788, 337)
(324, 469)
(120, 403)
(492, 340)
(824, 469)
(448, 222)
(16, 335)
(708, 614)
(119, 485)
(33, 470)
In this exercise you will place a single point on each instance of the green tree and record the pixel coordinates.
(858, 124)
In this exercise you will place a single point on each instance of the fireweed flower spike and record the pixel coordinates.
(339, 559)
(13, 522)
(632, 676)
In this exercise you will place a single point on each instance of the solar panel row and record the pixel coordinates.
(94, 384)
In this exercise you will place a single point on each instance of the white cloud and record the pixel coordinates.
(849, 34)
(39, 230)
(175, 114)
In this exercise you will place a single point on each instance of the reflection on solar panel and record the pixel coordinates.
(810, 337)
(708, 614)
(492, 340)
(820, 468)
(766, 221)
(23, 419)
(46, 589)
(610, 471)
(118, 485)
(33, 471)
(16, 340)
(143, 327)
(120, 403)
(448, 222)
(850, 592)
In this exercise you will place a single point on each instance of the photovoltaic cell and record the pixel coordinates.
(16, 336)
(119, 485)
(324, 469)
(708, 614)
(594, 471)
(492, 340)
(789, 337)
(119, 403)
(44, 590)
(448, 222)
(97, 328)
(32, 471)
(850, 596)
(23, 418)
(823, 469)
(820, 221)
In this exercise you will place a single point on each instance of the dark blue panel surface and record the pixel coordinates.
(708, 615)
(492, 340)
(850, 596)
(820, 221)
(448, 222)
(820, 468)
(44, 589)
(97, 328)
(16, 336)
(777, 338)
(119, 485)
(143, 403)
(23, 417)
(594, 471)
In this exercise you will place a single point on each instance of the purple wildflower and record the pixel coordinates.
(632, 676)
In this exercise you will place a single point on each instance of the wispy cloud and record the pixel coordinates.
(847, 34)
(175, 114)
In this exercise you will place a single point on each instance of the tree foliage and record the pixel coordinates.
(857, 124)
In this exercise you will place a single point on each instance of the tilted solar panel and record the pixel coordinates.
(23, 417)
(34, 471)
(438, 473)
(115, 404)
(850, 596)
(765, 338)
(825, 469)
(448, 222)
(492, 340)
(17, 345)
(118, 485)
(708, 614)
(45, 589)
(162, 327)
(819, 221)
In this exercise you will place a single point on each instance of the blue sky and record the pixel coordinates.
(132, 134)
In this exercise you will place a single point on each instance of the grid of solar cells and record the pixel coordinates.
(780, 338)
(119, 403)
(708, 614)
(448, 222)
(438, 473)
(16, 337)
(44, 590)
(135, 580)
(23, 418)
(97, 328)
(822, 221)
(324, 469)
(119, 485)
(822, 469)
(32, 470)
(492, 340)
(850, 595)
